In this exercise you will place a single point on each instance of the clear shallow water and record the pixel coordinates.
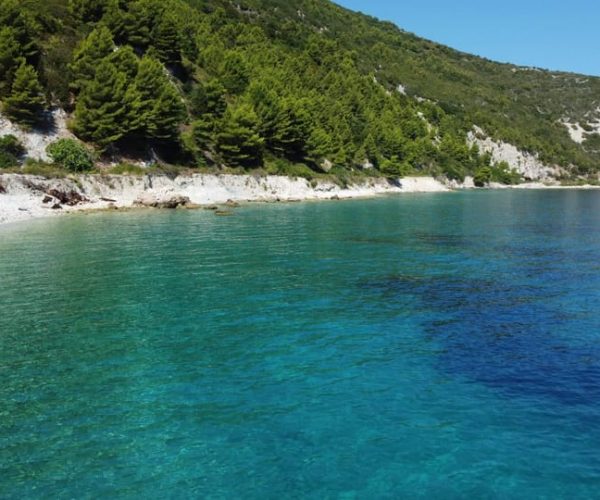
(434, 346)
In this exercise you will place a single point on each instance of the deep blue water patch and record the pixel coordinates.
(436, 346)
(514, 337)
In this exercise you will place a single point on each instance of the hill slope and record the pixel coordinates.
(285, 86)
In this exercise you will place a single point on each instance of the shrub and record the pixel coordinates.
(502, 173)
(11, 151)
(281, 166)
(454, 172)
(394, 167)
(482, 177)
(71, 155)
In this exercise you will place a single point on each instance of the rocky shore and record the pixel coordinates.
(24, 197)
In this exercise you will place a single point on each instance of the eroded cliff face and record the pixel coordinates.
(36, 141)
(527, 164)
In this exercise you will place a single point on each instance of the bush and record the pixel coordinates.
(503, 174)
(394, 167)
(454, 172)
(281, 166)
(482, 177)
(11, 151)
(71, 155)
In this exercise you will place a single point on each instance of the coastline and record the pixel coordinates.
(26, 197)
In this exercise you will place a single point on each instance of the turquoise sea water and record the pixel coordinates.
(427, 346)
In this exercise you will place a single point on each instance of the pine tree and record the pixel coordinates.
(104, 108)
(26, 102)
(319, 145)
(98, 45)
(10, 53)
(161, 108)
(279, 123)
(116, 21)
(137, 24)
(24, 25)
(203, 130)
(87, 11)
(237, 137)
(371, 151)
(125, 60)
(234, 73)
(289, 135)
(168, 113)
(167, 41)
(209, 99)
(267, 107)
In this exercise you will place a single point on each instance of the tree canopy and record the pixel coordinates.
(297, 81)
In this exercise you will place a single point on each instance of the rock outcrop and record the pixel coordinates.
(153, 201)
(527, 164)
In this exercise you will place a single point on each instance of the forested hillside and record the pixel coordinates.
(285, 86)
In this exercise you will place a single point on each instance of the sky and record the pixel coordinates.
(559, 35)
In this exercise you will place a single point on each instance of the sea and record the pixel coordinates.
(431, 346)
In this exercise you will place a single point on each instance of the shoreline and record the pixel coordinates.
(27, 197)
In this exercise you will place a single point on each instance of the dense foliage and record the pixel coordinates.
(11, 151)
(209, 82)
(70, 155)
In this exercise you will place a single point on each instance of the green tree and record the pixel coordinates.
(289, 134)
(168, 113)
(125, 60)
(208, 99)
(24, 25)
(320, 49)
(482, 177)
(166, 40)
(266, 105)
(371, 150)
(26, 101)
(11, 151)
(234, 73)
(394, 167)
(160, 106)
(135, 27)
(237, 137)
(279, 123)
(319, 145)
(87, 57)
(203, 130)
(87, 11)
(10, 54)
(105, 107)
(142, 15)
(116, 20)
